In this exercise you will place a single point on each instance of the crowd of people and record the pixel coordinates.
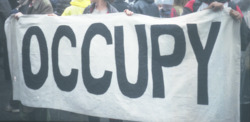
(240, 12)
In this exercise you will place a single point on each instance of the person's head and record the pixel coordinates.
(180, 2)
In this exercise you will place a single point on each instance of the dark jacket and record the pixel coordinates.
(61, 5)
(41, 7)
(146, 7)
(120, 5)
(13, 3)
(22, 7)
(54, 3)
(4, 13)
(5, 9)
(91, 8)
(245, 77)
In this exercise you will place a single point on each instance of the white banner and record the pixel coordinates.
(185, 69)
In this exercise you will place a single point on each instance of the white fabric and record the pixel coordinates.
(205, 5)
(180, 82)
(100, 12)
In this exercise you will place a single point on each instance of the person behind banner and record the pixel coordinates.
(245, 84)
(235, 13)
(245, 8)
(120, 5)
(77, 7)
(103, 7)
(34, 7)
(4, 13)
(177, 8)
(100, 7)
(146, 7)
(165, 10)
(5, 8)
(60, 6)
(198, 5)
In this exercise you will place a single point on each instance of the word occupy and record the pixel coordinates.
(99, 86)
